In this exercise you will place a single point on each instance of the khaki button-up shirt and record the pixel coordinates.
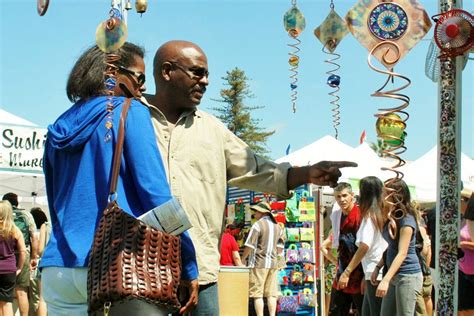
(201, 156)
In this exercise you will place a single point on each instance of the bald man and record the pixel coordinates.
(202, 157)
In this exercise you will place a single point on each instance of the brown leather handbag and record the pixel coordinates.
(130, 260)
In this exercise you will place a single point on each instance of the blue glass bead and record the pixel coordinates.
(334, 81)
(293, 86)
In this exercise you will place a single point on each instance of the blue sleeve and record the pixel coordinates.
(148, 173)
(188, 255)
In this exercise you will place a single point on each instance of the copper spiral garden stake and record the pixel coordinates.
(391, 124)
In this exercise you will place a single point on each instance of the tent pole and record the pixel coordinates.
(448, 177)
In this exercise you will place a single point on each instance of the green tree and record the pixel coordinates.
(235, 113)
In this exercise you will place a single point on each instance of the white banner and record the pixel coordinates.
(21, 148)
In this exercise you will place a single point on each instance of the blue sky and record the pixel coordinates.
(37, 54)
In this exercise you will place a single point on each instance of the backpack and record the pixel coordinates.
(21, 221)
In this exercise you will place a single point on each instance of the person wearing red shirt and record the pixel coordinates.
(229, 248)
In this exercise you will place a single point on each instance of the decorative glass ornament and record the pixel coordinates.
(391, 129)
(111, 35)
(332, 30)
(334, 81)
(388, 21)
(294, 21)
(294, 61)
(404, 22)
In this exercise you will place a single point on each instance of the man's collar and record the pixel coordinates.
(194, 111)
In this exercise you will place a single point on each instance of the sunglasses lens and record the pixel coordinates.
(200, 72)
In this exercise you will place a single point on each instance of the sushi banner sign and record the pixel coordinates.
(21, 148)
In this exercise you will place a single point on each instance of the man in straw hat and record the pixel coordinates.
(261, 249)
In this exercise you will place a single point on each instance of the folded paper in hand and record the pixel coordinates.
(169, 217)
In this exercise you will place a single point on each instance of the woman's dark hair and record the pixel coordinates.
(87, 76)
(404, 196)
(370, 200)
(39, 216)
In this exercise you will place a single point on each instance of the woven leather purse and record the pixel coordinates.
(129, 259)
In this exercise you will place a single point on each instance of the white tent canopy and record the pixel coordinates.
(325, 148)
(329, 148)
(12, 119)
(420, 175)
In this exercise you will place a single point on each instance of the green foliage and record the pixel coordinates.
(379, 147)
(235, 113)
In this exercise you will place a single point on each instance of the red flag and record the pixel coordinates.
(362, 137)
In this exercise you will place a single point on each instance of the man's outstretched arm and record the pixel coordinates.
(322, 173)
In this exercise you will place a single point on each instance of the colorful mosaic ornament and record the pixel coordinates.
(330, 33)
(373, 21)
(294, 23)
(388, 21)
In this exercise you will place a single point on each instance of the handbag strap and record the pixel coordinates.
(118, 150)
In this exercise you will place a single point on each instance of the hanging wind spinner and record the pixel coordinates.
(110, 36)
(294, 23)
(330, 33)
(389, 30)
(454, 32)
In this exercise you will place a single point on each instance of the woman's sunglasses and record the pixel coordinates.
(140, 76)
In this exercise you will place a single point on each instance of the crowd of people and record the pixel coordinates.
(23, 236)
(173, 149)
(395, 254)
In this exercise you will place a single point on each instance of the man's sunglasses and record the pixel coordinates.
(141, 78)
(193, 73)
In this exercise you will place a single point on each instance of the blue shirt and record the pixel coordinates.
(77, 167)
(411, 264)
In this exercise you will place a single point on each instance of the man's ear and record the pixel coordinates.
(165, 70)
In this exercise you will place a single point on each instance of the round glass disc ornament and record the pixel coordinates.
(111, 35)
(388, 21)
